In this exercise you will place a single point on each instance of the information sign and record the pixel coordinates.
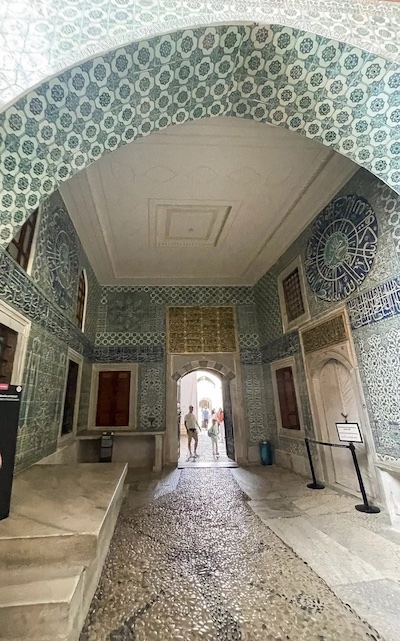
(10, 400)
(349, 432)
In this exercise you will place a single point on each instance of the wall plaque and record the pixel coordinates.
(349, 432)
(193, 330)
(327, 333)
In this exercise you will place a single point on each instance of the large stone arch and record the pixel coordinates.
(207, 364)
(341, 96)
(57, 37)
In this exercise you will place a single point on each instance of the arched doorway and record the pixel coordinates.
(336, 394)
(339, 400)
(340, 96)
(190, 386)
(227, 368)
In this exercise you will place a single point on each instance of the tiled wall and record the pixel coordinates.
(48, 299)
(128, 324)
(131, 327)
(373, 307)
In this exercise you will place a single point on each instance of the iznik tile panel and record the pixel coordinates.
(44, 43)
(337, 95)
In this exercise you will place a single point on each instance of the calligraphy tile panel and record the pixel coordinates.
(194, 330)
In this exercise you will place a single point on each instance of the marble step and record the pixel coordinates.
(21, 551)
(61, 512)
(43, 609)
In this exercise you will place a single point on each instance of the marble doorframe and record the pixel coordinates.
(228, 367)
(344, 353)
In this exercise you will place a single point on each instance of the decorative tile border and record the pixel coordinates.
(375, 305)
(250, 356)
(335, 94)
(285, 345)
(46, 43)
(129, 354)
(17, 289)
(329, 332)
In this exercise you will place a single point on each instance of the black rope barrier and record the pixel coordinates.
(366, 506)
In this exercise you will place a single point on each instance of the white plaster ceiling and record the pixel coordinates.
(210, 202)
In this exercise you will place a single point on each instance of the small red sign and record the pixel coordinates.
(4, 386)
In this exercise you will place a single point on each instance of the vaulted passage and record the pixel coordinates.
(199, 207)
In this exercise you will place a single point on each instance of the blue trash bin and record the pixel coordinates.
(265, 453)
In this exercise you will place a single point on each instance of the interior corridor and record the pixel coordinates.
(191, 560)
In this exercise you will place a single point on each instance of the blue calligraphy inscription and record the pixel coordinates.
(342, 248)
(62, 259)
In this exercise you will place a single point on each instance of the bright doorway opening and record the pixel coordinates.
(209, 396)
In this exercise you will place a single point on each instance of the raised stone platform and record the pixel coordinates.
(53, 546)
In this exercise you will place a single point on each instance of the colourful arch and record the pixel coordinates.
(339, 95)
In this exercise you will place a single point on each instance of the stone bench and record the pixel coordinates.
(138, 449)
(53, 547)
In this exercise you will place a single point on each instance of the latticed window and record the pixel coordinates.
(21, 246)
(8, 345)
(293, 295)
(81, 299)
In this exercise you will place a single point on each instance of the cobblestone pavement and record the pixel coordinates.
(197, 565)
(204, 449)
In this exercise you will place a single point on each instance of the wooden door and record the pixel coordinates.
(287, 398)
(70, 398)
(113, 399)
(339, 398)
(229, 435)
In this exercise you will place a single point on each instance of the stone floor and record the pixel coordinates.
(191, 561)
(204, 450)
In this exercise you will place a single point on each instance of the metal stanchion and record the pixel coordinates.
(314, 485)
(366, 506)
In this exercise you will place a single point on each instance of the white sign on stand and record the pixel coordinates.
(349, 432)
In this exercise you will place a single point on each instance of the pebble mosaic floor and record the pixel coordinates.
(204, 449)
(197, 565)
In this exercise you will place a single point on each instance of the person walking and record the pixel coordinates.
(191, 425)
(213, 433)
(205, 413)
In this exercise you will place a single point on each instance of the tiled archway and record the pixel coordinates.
(338, 95)
(39, 42)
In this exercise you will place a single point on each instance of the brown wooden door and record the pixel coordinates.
(229, 434)
(113, 399)
(287, 398)
(70, 398)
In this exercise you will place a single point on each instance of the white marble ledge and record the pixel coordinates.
(92, 435)
(389, 466)
(62, 499)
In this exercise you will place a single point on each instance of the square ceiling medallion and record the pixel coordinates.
(187, 223)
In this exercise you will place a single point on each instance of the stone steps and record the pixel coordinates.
(43, 609)
(22, 551)
(53, 547)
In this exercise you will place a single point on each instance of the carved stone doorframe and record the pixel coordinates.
(226, 365)
(332, 340)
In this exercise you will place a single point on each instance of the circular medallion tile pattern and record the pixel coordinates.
(46, 42)
(62, 258)
(335, 94)
(342, 248)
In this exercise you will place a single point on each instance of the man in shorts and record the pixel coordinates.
(191, 425)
